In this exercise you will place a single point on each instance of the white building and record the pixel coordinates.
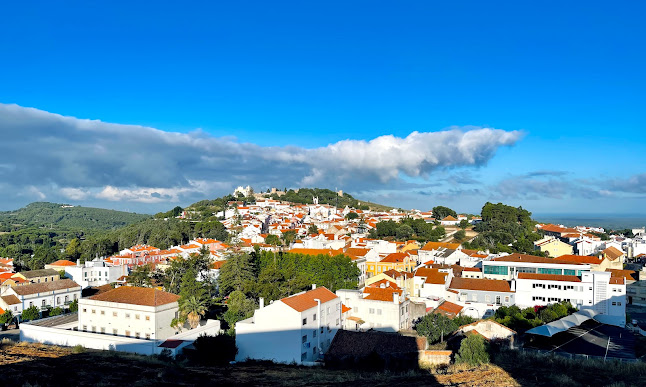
(506, 268)
(595, 290)
(296, 329)
(382, 309)
(128, 311)
(51, 294)
(95, 273)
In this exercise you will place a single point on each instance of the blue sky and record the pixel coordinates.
(568, 77)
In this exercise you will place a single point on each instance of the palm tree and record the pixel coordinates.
(193, 308)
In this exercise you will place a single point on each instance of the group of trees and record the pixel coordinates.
(521, 320)
(246, 277)
(503, 226)
(436, 327)
(326, 196)
(408, 228)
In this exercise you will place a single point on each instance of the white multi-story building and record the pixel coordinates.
(296, 329)
(51, 294)
(595, 290)
(382, 309)
(506, 268)
(94, 273)
(128, 311)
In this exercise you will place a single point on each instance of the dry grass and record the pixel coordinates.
(36, 364)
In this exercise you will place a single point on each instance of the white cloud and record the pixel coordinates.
(81, 159)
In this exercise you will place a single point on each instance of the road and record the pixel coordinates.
(13, 334)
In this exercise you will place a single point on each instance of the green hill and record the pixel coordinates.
(43, 214)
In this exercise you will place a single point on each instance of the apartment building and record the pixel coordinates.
(295, 329)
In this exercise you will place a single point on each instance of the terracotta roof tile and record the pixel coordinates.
(305, 301)
(488, 285)
(10, 300)
(45, 287)
(449, 308)
(137, 296)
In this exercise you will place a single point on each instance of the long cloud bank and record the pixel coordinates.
(47, 156)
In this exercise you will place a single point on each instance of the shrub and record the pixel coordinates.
(55, 312)
(220, 349)
(78, 349)
(473, 351)
(74, 306)
(31, 313)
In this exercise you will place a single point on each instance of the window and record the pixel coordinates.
(314, 333)
(58, 300)
(137, 335)
(84, 328)
(379, 312)
(507, 299)
(84, 310)
(497, 300)
(303, 356)
(338, 306)
(304, 321)
(542, 270)
(93, 311)
(103, 313)
(114, 314)
(147, 318)
(86, 274)
(304, 339)
(93, 328)
(321, 330)
(337, 322)
(328, 309)
(128, 333)
(67, 299)
(114, 332)
(487, 298)
(43, 302)
(371, 310)
(75, 296)
(147, 336)
(496, 270)
(32, 304)
(102, 330)
(619, 303)
(136, 317)
(569, 272)
(314, 318)
(127, 315)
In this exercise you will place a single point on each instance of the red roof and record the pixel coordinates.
(587, 259)
(344, 308)
(171, 343)
(63, 262)
(433, 276)
(137, 296)
(487, 285)
(305, 301)
(395, 258)
(450, 308)
(379, 294)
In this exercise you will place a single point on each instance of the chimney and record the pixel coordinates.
(313, 286)
(396, 298)
(261, 301)
(78, 262)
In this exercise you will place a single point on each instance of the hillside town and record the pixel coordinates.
(399, 285)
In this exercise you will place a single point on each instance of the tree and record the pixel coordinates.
(404, 232)
(473, 351)
(352, 216)
(313, 229)
(193, 308)
(435, 327)
(239, 307)
(464, 224)
(441, 212)
(6, 317)
(73, 250)
(237, 273)
(61, 274)
(289, 237)
(55, 312)
(74, 306)
(460, 235)
(272, 240)
(31, 313)
(141, 276)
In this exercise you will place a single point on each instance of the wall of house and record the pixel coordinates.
(53, 298)
(379, 315)
(127, 319)
(531, 292)
(95, 276)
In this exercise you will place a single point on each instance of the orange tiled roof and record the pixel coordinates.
(63, 262)
(487, 285)
(380, 294)
(587, 259)
(630, 275)
(433, 276)
(344, 308)
(612, 253)
(437, 245)
(450, 308)
(45, 287)
(516, 257)
(137, 296)
(305, 301)
(395, 258)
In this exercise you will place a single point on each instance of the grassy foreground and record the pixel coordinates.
(26, 364)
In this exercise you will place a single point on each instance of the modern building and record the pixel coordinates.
(295, 329)
(94, 273)
(507, 267)
(381, 309)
